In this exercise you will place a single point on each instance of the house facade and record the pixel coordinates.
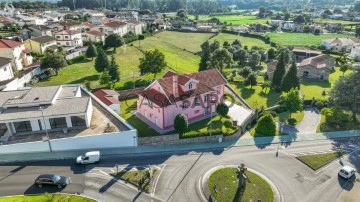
(134, 26)
(17, 52)
(114, 27)
(318, 67)
(355, 53)
(40, 30)
(194, 95)
(6, 72)
(44, 108)
(39, 44)
(302, 54)
(68, 38)
(342, 45)
(93, 36)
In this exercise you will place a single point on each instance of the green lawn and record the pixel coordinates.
(301, 39)
(236, 19)
(246, 41)
(317, 161)
(46, 198)
(226, 181)
(283, 117)
(314, 88)
(139, 178)
(325, 21)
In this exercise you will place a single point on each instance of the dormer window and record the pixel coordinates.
(190, 86)
(185, 105)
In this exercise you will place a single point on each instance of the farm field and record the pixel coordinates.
(235, 19)
(301, 39)
(246, 41)
(324, 21)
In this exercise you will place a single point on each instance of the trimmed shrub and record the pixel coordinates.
(319, 105)
(266, 125)
(181, 123)
(222, 109)
(76, 59)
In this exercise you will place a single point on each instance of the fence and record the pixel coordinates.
(73, 54)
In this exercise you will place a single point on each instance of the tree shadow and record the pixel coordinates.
(239, 193)
(262, 142)
(87, 78)
(33, 189)
(247, 92)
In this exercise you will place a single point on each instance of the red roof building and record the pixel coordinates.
(109, 98)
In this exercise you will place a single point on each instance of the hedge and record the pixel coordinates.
(265, 39)
(217, 131)
(76, 59)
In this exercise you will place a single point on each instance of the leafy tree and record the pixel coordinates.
(328, 12)
(228, 124)
(105, 79)
(317, 32)
(53, 60)
(337, 10)
(344, 68)
(205, 56)
(290, 79)
(254, 59)
(152, 62)
(236, 43)
(244, 72)
(335, 115)
(226, 44)
(222, 109)
(91, 51)
(182, 14)
(266, 125)
(181, 123)
(279, 72)
(287, 16)
(299, 19)
(114, 41)
(251, 79)
(242, 56)
(214, 45)
(345, 93)
(221, 58)
(266, 85)
(101, 61)
(140, 38)
(113, 71)
(271, 54)
(292, 101)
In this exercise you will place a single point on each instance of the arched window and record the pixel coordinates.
(190, 86)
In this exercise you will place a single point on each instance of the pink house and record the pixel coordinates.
(195, 95)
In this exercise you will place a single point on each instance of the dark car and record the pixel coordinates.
(52, 180)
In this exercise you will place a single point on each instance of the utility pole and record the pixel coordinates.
(74, 4)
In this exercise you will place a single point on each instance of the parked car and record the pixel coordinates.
(52, 180)
(347, 172)
(89, 157)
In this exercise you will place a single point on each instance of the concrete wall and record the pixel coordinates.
(174, 139)
(107, 140)
(72, 55)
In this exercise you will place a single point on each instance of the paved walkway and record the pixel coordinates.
(238, 113)
(310, 121)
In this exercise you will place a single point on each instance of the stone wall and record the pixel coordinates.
(174, 139)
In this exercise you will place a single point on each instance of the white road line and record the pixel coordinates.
(104, 173)
(156, 181)
(199, 188)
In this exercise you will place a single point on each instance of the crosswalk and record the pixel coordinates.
(347, 149)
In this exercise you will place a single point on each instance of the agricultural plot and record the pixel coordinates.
(245, 41)
(236, 19)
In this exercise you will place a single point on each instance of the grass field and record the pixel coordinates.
(235, 19)
(138, 178)
(301, 39)
(317, 161)
(226, 181)
(314, 88)
(331, 21)
(245, 41)
(46, 198)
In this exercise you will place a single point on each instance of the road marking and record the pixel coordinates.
(156, 181)
(199, 188)
(104, 173)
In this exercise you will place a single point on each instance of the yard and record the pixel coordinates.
(46, 198)
(317, 161)
(245, 41)
(235, 19)
(332, 21)
(301, 39)
(139, 178)
(226, 181)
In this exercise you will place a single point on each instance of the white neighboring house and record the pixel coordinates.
(60, 25)
(342, 45)
(134, 26)
(40, 30)
(38, 109)
(110, 98)
(6, 72)
(112, 28)
(336, 16)
(35, 21)
(17, 52)
(288, 25)
(93, 36)
(240, 29)
(355, 53)
(128, 15)
(97, 20)
(68, 38)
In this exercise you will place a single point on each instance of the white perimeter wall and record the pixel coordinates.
(103, 141)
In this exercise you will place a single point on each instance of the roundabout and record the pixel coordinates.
(223, 183)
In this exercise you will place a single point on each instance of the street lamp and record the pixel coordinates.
(47, 134)
(211, 113)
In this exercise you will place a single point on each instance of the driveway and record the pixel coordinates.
(310, 121)
(238, 113)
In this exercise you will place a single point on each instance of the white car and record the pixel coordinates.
(89, 157)
(347, 172)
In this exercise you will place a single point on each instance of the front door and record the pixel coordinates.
(305, 74)
(213, 108)
(156, 120)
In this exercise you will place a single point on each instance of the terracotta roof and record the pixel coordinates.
(343, 41)
(88, 24)
(107, 96)
(306, 51)
(133, 22)
(4, 19)
(6, 43)
(69, 23)
(26, 51)
(115, 24)
(211, 77)
(67, 32)
(95, 33)
(319, 62)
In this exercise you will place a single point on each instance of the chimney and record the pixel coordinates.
(175, 86)
(65, 27)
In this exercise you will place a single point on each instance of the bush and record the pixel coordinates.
(76, 59)
(50, 72)
(319, 105)
(266, 125)
(335, 116)
(222, 109)
(181, 123)
(34, 80)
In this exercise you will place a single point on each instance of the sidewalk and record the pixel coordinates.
(260, 142)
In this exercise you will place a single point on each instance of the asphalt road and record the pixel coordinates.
(181, 172)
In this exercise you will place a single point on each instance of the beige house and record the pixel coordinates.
(93, 36)
(318, 67)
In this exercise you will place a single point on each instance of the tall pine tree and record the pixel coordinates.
(113, 71)
(205, 56)
(279, 73)
(91, 51)
(290, 79)
(101, 61)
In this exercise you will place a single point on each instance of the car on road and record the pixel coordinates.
(88, 157)
(347, 172)
(52, 180)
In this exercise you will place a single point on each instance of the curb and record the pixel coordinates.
(80, 195)
(204, 179)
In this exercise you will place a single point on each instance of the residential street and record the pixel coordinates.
(181, 172)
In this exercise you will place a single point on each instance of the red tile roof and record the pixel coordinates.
(88, 24)
(5, 43)
(67, 32)
(95, 33)
(115, 24)
(107, 96)
(319, 62)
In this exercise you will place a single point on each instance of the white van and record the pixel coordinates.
(347, 172)
(89, 157)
